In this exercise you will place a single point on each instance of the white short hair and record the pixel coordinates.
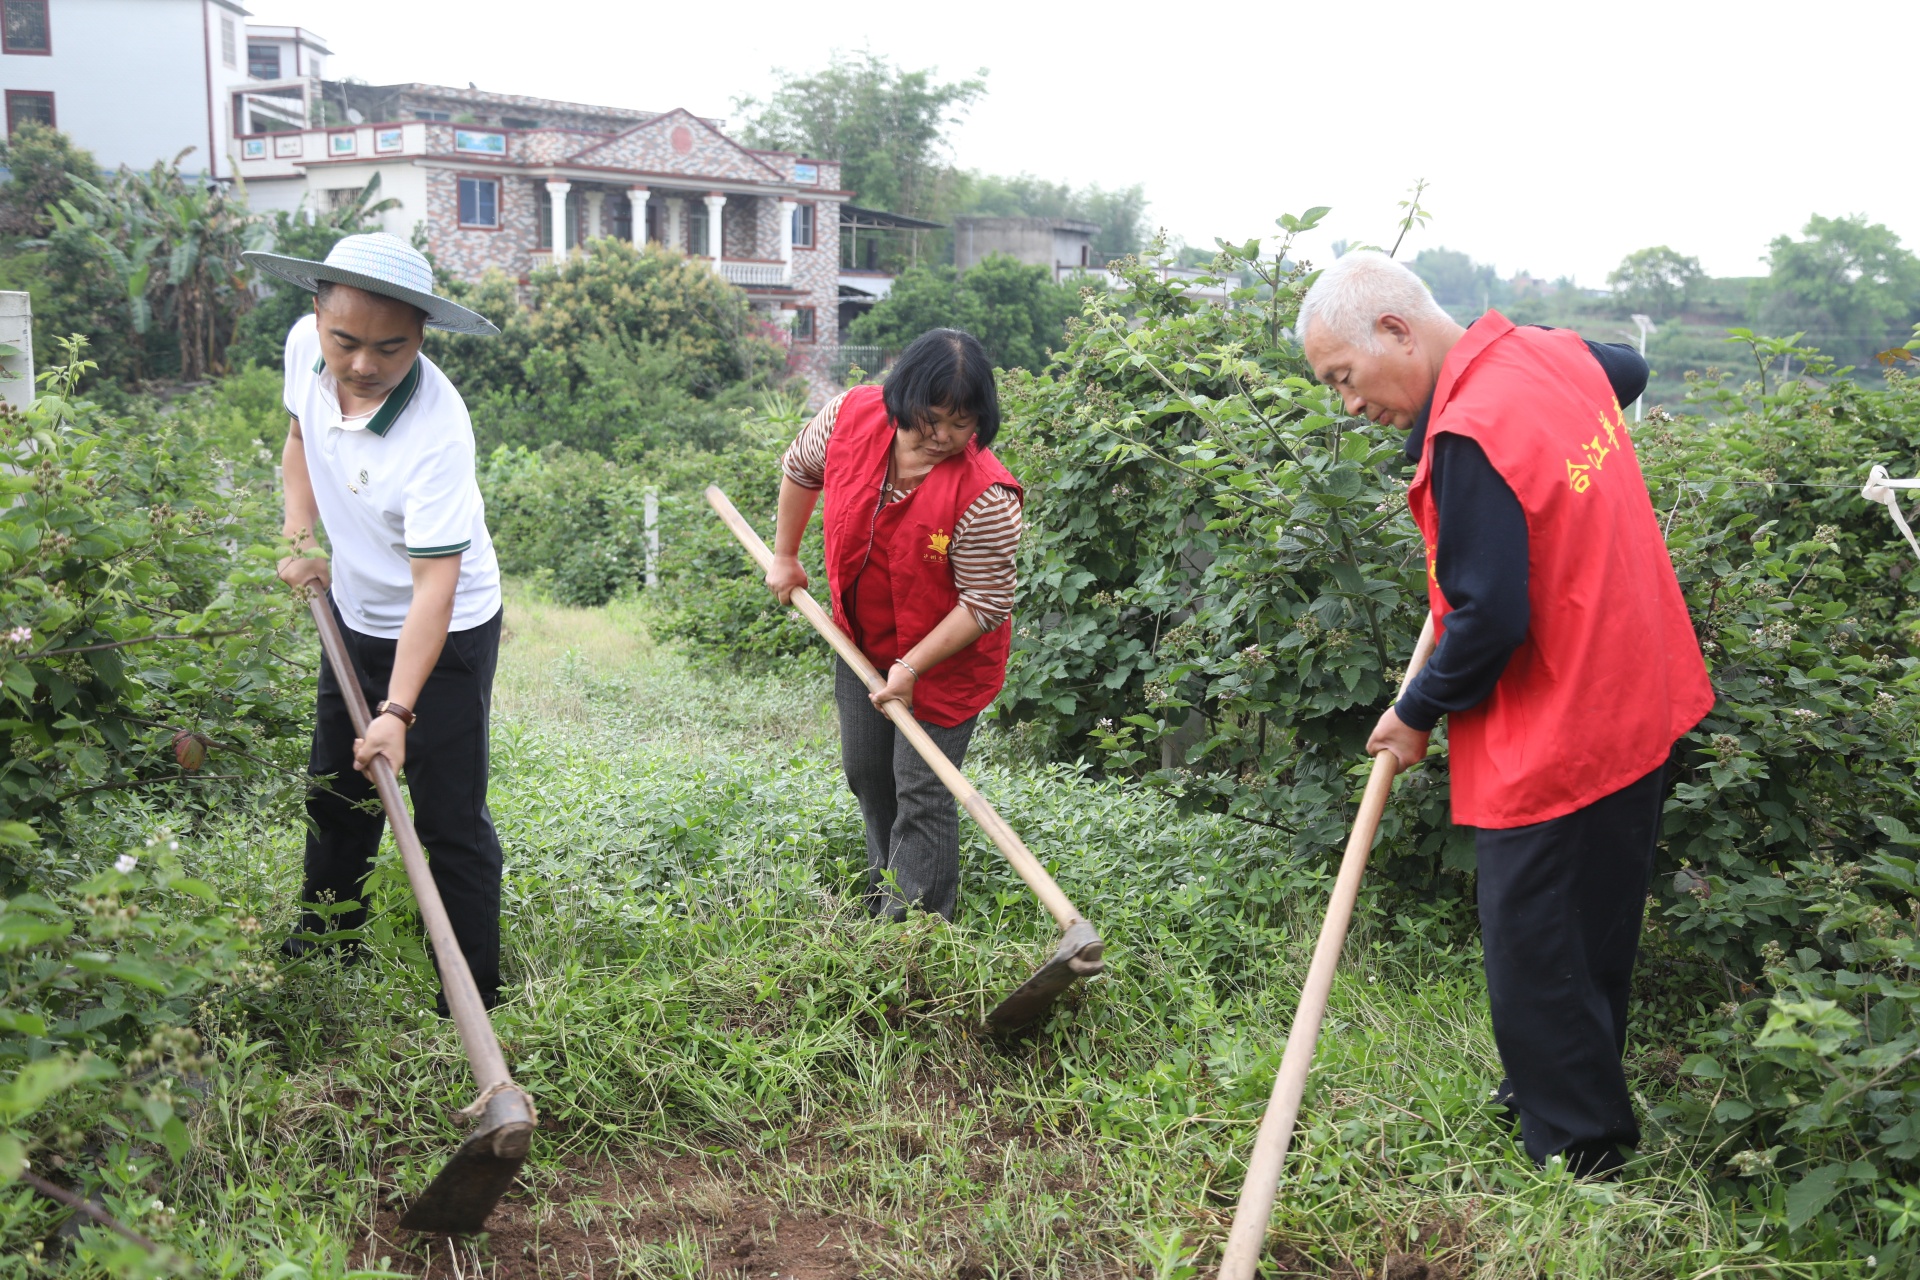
(1351, 295)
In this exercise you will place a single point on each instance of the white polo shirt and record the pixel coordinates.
(392, 487)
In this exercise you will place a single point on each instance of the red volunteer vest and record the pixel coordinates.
(1610, 673)
(897, 553)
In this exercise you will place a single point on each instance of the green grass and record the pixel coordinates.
(727, 1054)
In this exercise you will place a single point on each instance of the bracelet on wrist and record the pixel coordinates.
(902, 662)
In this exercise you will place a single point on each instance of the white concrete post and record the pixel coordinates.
(637, 198)
(16, 331)
(557, 196)
(716, 238)
(595, 199)
(787, 208)
(676, 238)
(652, 509)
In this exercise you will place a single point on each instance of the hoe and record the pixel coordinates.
(1080, 947)
(459, 1200)
(1249, 1235)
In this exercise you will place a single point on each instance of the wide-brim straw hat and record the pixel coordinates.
(382, 264)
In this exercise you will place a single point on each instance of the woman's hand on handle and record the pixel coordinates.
(898, 688)
(786, 577)
(1409, 745)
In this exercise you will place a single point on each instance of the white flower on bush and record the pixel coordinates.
(125, 863)
(21, 636)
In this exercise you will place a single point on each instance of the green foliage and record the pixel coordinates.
(1849, 286)
(1218, 579)
(140, 616)
(1017, 311)
(574, 524)
(41, 164)
(104, 970)
(260, 335)
(137, 606)
(886, 127)
(1657, 282)
(1220, 583)
(1458, 283)
(619, 348)
(141, 257)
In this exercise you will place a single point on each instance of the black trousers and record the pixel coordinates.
(1561, 904)
(446, 776)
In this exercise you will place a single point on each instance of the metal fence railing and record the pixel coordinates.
(869, 360)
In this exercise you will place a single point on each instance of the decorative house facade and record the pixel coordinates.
(508, 183)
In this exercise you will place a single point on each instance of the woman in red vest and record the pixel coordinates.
(921, 524)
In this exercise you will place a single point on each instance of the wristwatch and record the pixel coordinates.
(388, 707)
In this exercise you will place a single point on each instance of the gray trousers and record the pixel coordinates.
(913, 824)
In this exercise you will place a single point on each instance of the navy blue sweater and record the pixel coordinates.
(1481, 559)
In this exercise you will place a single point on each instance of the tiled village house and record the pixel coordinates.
(506, 182)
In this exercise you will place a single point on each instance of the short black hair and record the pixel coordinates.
(323, 289)
(944, 369)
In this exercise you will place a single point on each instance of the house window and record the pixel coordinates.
(480, 202)
(25, 106)
(433, 115)
(26, 29)
(229, 47)
(515, 122)
(1086, 255)
(803, 324)
(263, 61)
(803, 226)
(544, 202)
(697, 228)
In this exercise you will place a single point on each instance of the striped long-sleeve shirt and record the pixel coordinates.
(984, 539)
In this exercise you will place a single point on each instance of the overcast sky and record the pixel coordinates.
(1556, 137)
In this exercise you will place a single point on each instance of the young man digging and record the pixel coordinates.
(380, 453)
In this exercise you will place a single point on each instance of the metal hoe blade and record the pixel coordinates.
(1078, 956)
(459, 1200)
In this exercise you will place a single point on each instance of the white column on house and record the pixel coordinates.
(787, 208)
(716, 239)
(557, 197)
(637, 198)
(595, 199)
(676, 238)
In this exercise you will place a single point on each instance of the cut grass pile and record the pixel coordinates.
(739, 1073)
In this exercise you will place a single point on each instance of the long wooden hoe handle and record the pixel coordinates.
(463, 998)
(1249, 1235)
(972, 801)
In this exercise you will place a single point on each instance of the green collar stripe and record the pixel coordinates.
(397, 402)
(435, 553)
(320, 365)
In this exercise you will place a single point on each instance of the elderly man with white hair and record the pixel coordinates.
(1566, 666)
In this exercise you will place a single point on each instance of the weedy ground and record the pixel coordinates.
(739, 1074)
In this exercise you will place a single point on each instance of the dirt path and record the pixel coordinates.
(679, 1219)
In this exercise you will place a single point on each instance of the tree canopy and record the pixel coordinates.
(1016, 310)
(886, 127)
(1849, 285)
(1658, 281)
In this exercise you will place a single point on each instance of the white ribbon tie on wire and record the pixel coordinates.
(1880, 488)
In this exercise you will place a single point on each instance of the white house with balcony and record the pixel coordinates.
(132, 81)
(501, 182)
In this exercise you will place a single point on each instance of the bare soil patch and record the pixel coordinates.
(682, 1215)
